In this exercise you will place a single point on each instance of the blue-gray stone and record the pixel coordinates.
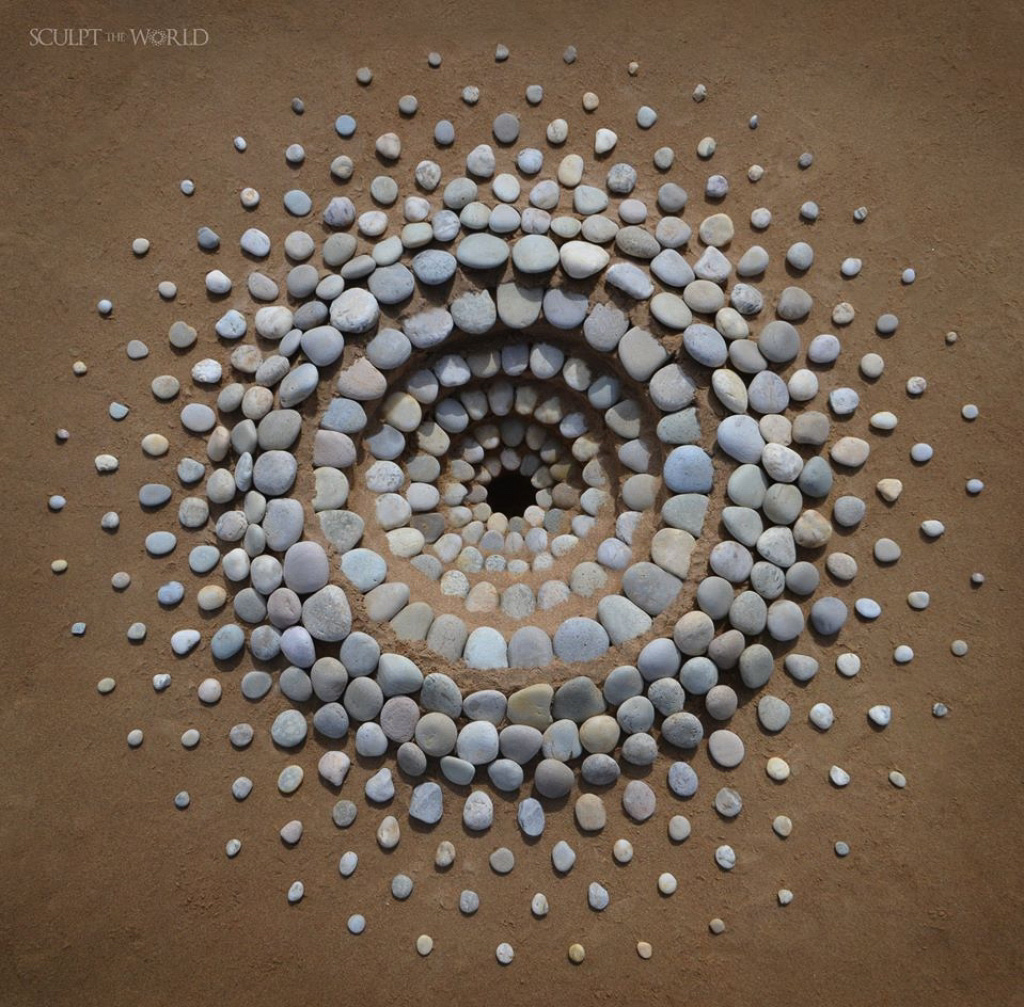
(256, 684)
(207, 239)
(682, 779)
(231, 325)
(160, 543)
(688, 469)
(345, 125)
(170, 593)
(297, 202)
(391, 284)
(203, 558)
(426, 804)
(331, 720)
(505, 774)
(154, 494)
(434, 266)
(289, 729)
(190, 471)
(227, 642)
(530, 816)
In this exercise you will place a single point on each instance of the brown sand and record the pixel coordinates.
(109, 896)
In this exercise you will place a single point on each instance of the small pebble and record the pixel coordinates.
(622, 851)
(504, 953)
(806, 159)
(785, 896)
(667, 883)
(182, 800)
(897, 779)
(921, 452)
(190, 738)
(140, 246)
(364, 75)
(903, 654)
(425, 943)
(717, 926)
(576, 953)
(969, 412)
(821, 716)
(298, 106)
(356, 924)
(839, 776)
(296, 892)
(134, 738)
(842, 849)
(188, 186)
(105, 685)
(782, 826)
(908, 276)
(939, 710)
(860, 214)
(959, 648)
(977, 578)
(644, 950)
(232, 848)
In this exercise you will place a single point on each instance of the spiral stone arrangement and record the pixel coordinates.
(569, 443)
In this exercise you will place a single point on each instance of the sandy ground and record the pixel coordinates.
(109, 896)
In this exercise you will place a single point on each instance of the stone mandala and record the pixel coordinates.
(509, 479)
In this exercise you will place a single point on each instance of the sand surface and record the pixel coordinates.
(110, 896)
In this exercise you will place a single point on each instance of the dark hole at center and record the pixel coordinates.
(510, 493)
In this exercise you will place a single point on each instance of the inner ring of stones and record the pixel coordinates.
(394, 624)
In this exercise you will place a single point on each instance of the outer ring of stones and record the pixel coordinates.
(527, 649)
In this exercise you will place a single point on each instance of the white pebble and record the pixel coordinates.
(821, 716)
(880, 715)
(903, 654)
(839, 776)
